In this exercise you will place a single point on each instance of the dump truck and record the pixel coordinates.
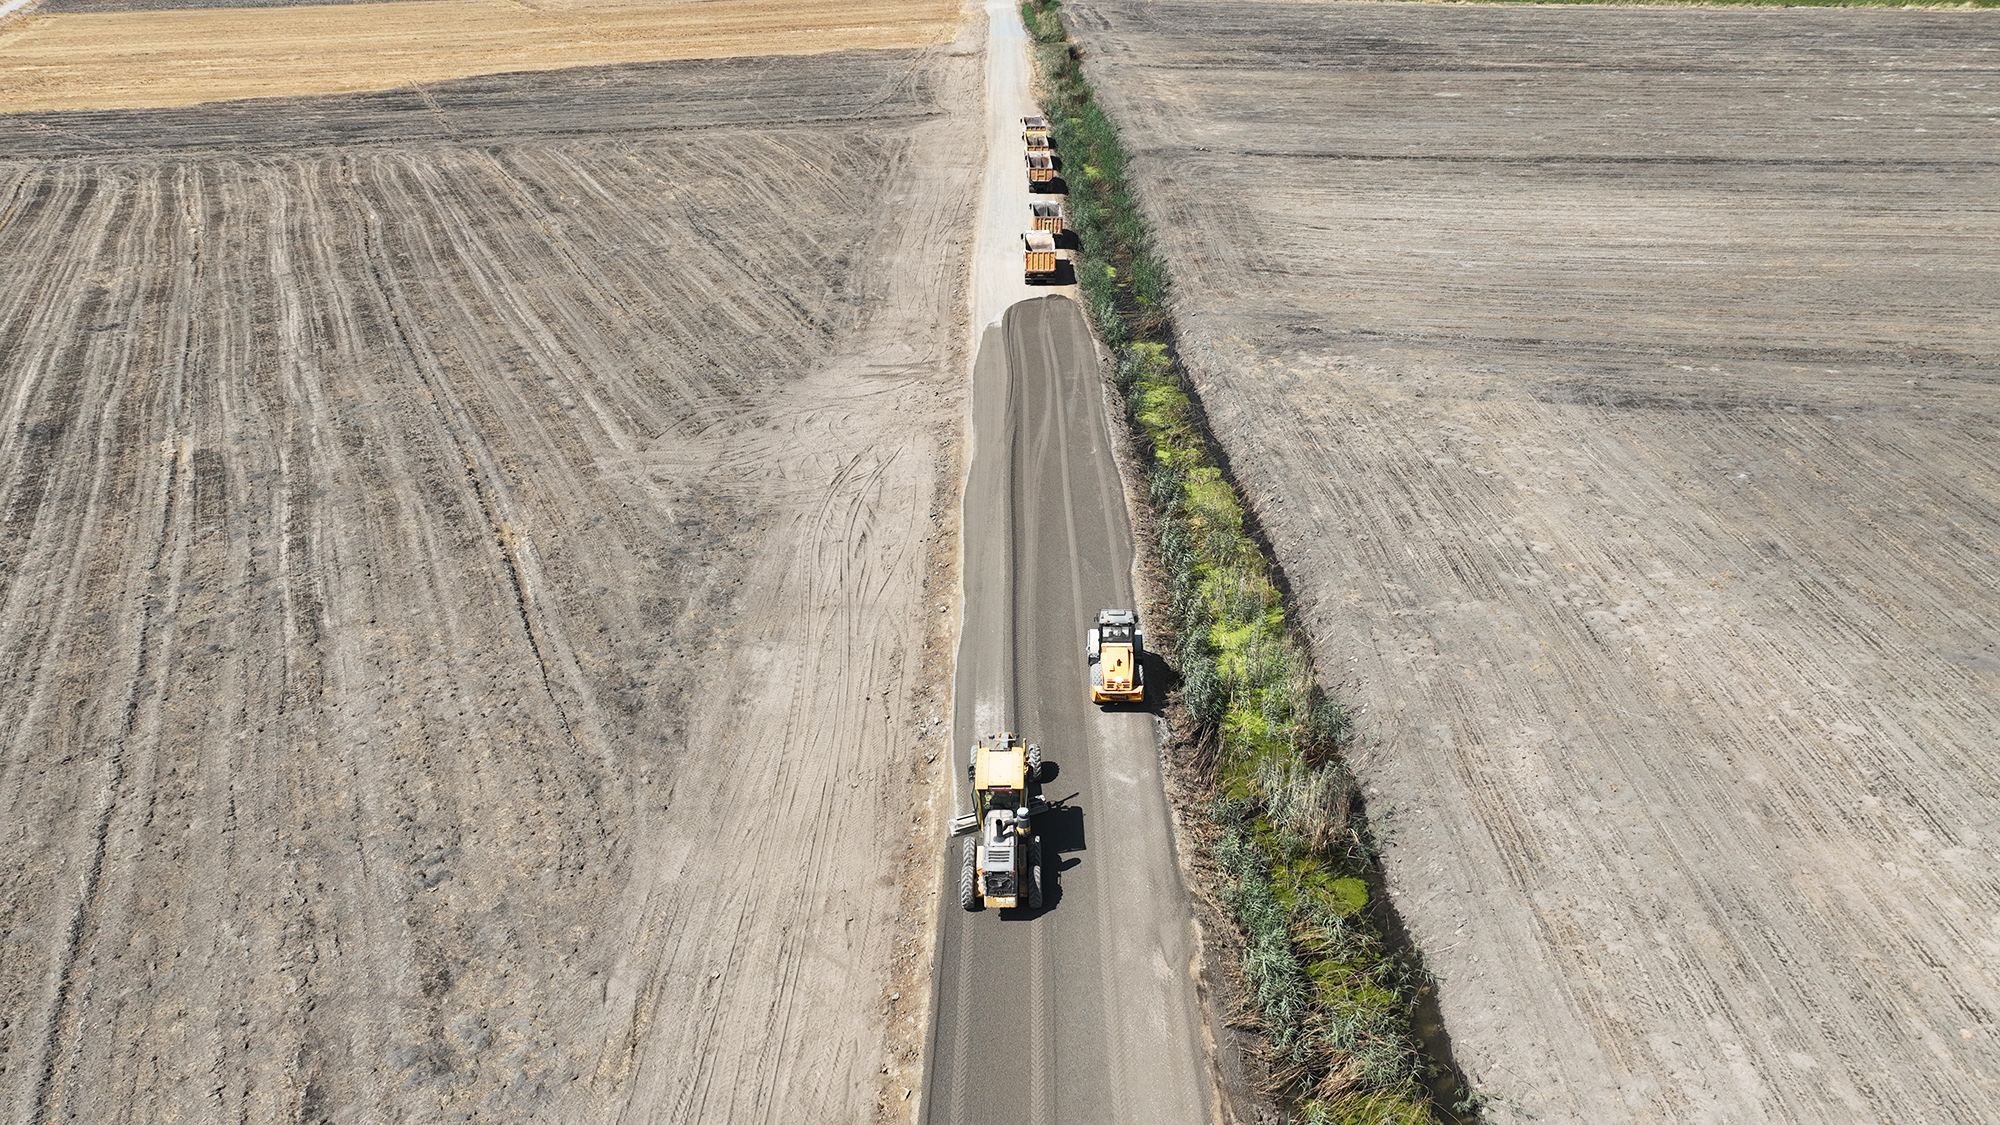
(1049, 215)
(1041, 168)
(1000, 863)
(1034, 129)
(1115, 648)
(1040, 261)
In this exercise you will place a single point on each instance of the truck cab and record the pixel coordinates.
(1115, 647)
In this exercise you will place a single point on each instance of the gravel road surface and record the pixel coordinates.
(997, 284)
(468, 566)
(1619, 388)
(1086, 1010)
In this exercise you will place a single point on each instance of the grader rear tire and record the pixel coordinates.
(1034, 763)
(968, 890)
(1034, 874)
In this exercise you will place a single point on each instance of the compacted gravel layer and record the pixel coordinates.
(1619, 389)
(468, 567)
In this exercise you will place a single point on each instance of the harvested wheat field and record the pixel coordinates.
(88, 54)
(1619, 388)
(467, 594)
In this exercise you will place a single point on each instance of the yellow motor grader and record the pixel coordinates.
(1000, 864)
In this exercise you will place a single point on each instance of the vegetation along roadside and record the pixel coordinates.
(1332, 994)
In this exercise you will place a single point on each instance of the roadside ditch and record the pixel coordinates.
(1338, 1011)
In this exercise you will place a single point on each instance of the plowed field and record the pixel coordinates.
(467, 594)
(1619, 388)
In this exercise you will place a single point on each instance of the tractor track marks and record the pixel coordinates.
(1620, 403)
(463, 606)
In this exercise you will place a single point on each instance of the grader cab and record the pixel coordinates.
(1000, 864)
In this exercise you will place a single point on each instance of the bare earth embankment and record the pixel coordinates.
(468, 565)
(1619, 388)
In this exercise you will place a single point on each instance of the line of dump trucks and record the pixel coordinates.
(1000, 859)
(1046, 214)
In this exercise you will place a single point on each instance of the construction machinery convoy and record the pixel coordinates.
(1001, 865)
(1000, 862)
(1115, 649)
(1000, 859)
(1045, 215)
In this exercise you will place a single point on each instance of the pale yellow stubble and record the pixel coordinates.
(166, 58)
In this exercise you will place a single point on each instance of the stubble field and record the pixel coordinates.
(1619, 388)
(89, 54)
(468, 571)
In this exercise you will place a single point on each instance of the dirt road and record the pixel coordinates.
(1003, 191)
(1085, 1011)
(94, 54)
(1618, 387)
(468, 594)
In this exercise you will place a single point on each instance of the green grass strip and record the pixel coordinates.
(1333, 997)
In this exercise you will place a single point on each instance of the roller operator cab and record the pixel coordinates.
(1115, 648)
(1000, 863)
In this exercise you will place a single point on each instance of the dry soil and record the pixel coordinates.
(468, 594)
(86, 54)
(1619, 388)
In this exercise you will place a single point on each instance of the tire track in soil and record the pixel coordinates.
(1631, 457)
(386, 526)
